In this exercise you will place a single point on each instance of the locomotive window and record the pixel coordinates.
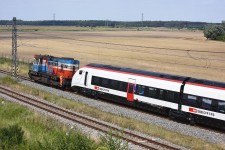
(35, 62)
(95, 80)
(105, 82)
(221, 107)
(152, 92)
(206, 103)
(53, 64)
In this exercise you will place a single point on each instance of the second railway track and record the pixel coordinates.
(91, 123)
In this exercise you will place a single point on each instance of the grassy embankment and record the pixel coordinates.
(174, 137)
(23, 129)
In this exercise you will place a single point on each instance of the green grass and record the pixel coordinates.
(6, 64)
(177, 138)
(22, 129)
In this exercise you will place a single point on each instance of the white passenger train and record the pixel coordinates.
(191, 99)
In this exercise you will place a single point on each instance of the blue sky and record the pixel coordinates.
(121, 10)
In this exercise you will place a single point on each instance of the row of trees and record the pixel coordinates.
(215, 32)
(114, 24)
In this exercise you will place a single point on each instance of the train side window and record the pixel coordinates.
(170, 96)
(206, 103)
(152, 92)
(190, 100)
(114, 84)
(221, 107)
(176, 97)
(123, 86)
(95, 80)
(146, 91)
(140, 90)
(105, 82)
(161, 95)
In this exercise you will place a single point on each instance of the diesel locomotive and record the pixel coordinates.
(52, 70)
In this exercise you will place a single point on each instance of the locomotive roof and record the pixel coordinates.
(51, 57)
(160, 75)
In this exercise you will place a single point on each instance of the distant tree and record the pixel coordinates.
(223, 23)
(214, 31)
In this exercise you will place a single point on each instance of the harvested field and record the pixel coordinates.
(181, 52)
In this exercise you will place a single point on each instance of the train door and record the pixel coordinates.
(84, 78)
(130, 89)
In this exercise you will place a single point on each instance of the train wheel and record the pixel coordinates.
(171, 114)
(95, 95)
(192, 119)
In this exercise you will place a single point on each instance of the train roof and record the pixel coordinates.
(139, 72)
(160, 75)
(206, 82)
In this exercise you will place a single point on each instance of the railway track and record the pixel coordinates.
(91, 123)
(18, 76)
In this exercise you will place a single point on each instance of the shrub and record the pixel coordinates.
(11, 136)
(69, 141)
(213, 32)
(112, 143)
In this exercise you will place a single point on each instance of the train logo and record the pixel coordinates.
(193, 110)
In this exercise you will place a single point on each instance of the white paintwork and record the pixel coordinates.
(204, 91)
(152, 82)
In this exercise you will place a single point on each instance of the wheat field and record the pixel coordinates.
(179, 52)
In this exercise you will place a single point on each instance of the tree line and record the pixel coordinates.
(113, 24)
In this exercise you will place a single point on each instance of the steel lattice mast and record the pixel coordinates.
(14, 48)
